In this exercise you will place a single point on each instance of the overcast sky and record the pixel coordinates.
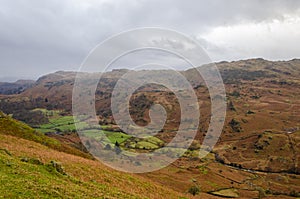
(39, 37)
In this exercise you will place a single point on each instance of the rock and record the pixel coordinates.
(228, 193)
(57, 167)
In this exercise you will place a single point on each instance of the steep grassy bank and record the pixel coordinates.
(30, 167)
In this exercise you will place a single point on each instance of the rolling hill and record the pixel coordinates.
(30, 167)
(256, 156)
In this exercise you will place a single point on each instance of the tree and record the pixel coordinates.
(117, 148)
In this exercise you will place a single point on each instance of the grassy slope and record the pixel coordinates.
(85, 178)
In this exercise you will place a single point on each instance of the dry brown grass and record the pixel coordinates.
(87, 170)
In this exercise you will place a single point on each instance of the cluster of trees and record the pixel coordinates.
(31, 118)
(10, 107)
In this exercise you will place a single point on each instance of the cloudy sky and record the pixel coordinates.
(39, 37)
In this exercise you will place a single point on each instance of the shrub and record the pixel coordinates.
(235, 125)
(231, 106)
(107, 147)
(235, 94)
(294, 193)
(250, 112)
(194, 190)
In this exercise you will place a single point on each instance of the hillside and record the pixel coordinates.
(15, 87)
(9, 126)
(263, 96)
(29, 169)
(256, 156)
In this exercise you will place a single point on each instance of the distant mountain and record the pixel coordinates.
(7, 88)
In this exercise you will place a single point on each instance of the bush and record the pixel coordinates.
(235, 94)
(107, 147)
(235, 125)
(250, 112)
(194, 190)
(231, 106)
(294, 193)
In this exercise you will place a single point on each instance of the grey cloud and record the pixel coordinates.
(38, 37)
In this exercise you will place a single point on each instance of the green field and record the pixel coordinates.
(112, 136)
(58, 123)
(148, 143)
(48, 113)
(125, 140)
(61, 124)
